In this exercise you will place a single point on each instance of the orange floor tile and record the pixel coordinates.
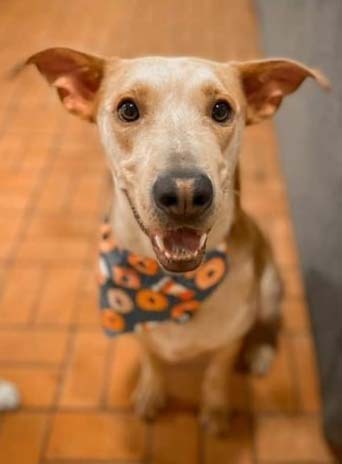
(75, 383)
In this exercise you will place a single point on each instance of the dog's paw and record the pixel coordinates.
(215, 419)
(9, 396)
(149, 398)
(260, 359)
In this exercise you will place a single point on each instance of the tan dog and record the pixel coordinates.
(171, 129)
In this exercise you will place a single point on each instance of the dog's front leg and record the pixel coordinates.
(149, 396)
(214, 413)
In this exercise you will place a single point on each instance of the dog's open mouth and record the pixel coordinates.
(179, 250)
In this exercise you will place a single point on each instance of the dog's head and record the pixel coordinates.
(171, 129)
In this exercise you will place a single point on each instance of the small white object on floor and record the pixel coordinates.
(9, 396)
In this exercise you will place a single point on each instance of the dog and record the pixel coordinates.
(171, 129)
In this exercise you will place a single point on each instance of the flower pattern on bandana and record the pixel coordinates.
(136, 293)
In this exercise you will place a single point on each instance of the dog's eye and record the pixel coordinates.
(222, 111)
(128, 111)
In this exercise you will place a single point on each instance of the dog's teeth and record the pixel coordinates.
(182, 254)
(202, 240)
(159, 242)
(179, 254)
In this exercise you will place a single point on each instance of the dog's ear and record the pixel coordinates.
(75, 75)
(266, 82)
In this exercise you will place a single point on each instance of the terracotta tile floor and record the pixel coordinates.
(75, 384)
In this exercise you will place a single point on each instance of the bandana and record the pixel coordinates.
(136, 293)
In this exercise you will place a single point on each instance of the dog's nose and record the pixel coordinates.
(183, 194)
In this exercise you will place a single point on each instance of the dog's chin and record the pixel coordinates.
(179, 249)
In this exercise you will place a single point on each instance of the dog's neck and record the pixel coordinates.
(129, 235)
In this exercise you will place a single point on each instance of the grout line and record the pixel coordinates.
(129, 411)
(94, 327)
(28, 365)
(91, 461)
(63, 368)
(252, 418)
(22, 327)
(291, 359)
(149, 440)
(296, 461)
(2, 417)
(202, 442)
(36, 301)
(109, 357)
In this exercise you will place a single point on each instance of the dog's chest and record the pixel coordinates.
(224, 317)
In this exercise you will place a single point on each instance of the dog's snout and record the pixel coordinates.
(183, 194)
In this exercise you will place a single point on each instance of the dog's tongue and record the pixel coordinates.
(182, 239)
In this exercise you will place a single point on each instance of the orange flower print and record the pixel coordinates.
(182, 311)
(210, 273)
(143, 265)
(120, 301)
(150, 300)
(125, 277)
(112, 320)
